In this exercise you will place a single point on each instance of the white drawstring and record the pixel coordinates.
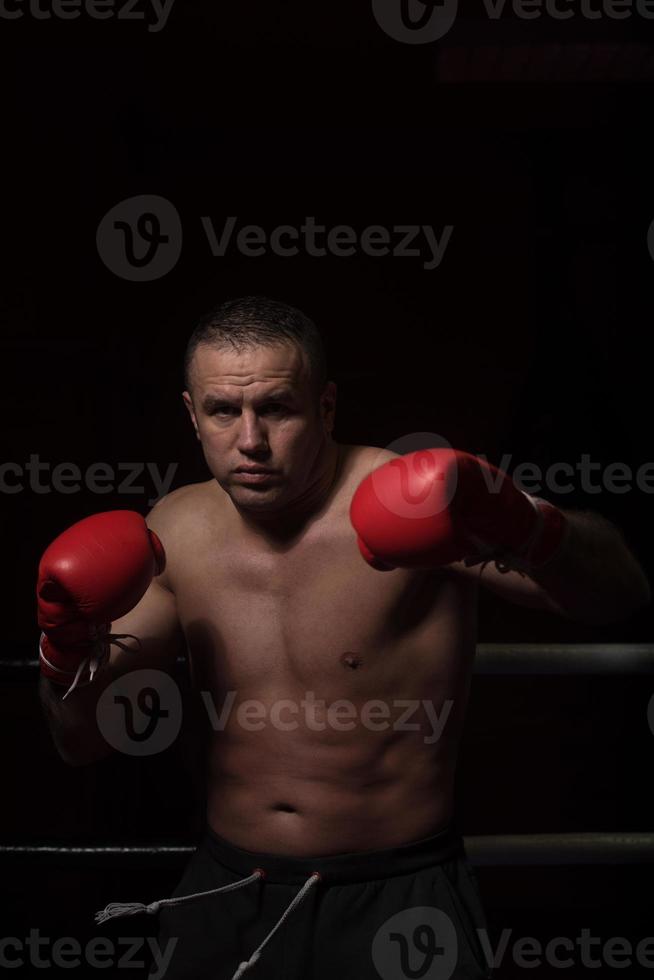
(116, 909)
(304, 891)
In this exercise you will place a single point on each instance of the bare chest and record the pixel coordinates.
(314, 614)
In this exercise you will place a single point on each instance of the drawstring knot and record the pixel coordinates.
(117, 909)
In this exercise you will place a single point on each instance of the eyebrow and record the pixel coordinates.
(211, 401)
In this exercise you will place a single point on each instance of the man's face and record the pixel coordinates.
(257, 409)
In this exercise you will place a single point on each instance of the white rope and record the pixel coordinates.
(116, 909)
(246, 964)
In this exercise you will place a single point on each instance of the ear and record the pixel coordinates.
(188, 401)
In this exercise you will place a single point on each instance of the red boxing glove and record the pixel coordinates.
(93, 573)
(437, 506)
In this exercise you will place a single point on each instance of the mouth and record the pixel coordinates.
(253, 475)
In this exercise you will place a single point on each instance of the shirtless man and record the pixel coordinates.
(344, 813)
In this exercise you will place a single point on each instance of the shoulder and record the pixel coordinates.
(181, 518)
(362, 460)
(180, 504)
(359, 462)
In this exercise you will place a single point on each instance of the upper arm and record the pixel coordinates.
(513, 586)
(154, 635)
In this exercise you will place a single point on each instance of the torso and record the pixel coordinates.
(289, 629)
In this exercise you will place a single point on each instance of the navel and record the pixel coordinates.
(284, 808)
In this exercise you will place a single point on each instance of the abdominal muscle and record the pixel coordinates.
(317, 792)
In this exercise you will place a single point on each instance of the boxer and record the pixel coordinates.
(328, 589)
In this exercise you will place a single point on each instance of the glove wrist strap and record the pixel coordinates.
(101, 640)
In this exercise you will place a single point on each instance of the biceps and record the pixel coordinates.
(155, 637)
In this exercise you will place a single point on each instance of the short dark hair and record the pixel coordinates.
(253, 321)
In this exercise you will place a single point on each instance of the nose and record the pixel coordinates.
(252, 437)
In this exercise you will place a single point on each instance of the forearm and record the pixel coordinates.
(73, 723)
(595, 578)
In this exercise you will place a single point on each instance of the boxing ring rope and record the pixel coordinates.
(564, 658)
(515, 659)
(500, 850)
(503, 850)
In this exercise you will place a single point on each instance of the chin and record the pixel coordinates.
(255, 497)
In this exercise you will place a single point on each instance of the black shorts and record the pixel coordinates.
(412, 911)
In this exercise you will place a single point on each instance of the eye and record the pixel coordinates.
(271, 407)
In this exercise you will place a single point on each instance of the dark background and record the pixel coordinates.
(532, 338)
